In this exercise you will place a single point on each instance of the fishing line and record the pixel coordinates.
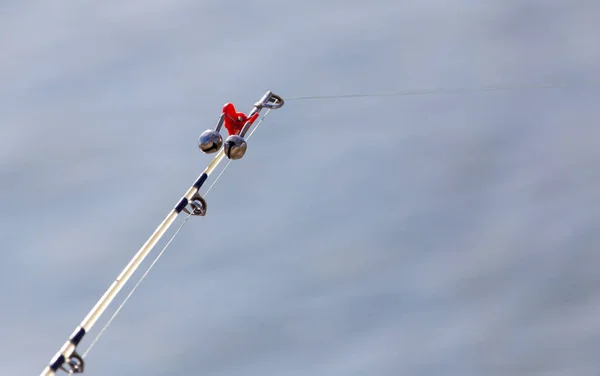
(436, 91)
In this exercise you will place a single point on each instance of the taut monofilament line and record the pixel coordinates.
(457, 90)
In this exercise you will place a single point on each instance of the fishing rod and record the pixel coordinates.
(67, 359)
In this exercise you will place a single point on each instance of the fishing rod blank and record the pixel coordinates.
(67, 359)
